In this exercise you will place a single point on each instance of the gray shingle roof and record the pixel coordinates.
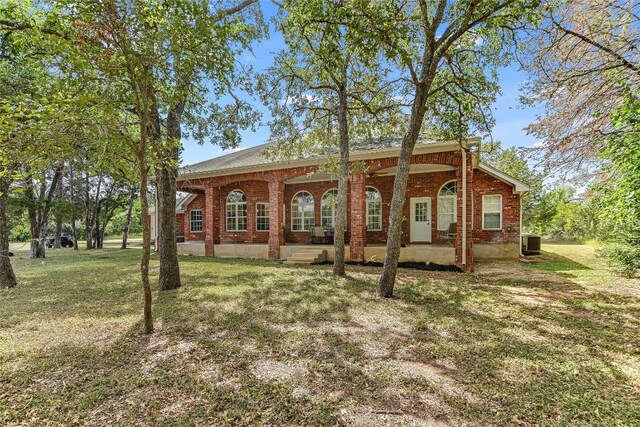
(242, 158)
(254, 156)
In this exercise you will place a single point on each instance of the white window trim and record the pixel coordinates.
(483, 211)
(303, 217)
(191, 221)
(263, 203)
(334, 208)
(455, 205)
(236, 204)
(366, 207)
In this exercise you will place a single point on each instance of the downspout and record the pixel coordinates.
(464, 209)
(520, 236)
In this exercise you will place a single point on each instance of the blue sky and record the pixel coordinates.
(510, 117)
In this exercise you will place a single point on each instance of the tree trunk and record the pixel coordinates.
(72, 188)
(74, 231)
(146, 246)
(39, 215)
(107, 218)
(127, 223)
(58, 237)
(91, 212)
(166, 210)
(394, 235)
(7, 276)
(343, 178)
(96, 229)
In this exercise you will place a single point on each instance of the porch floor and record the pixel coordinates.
(417, 252)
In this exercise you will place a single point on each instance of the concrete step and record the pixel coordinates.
(307, 256)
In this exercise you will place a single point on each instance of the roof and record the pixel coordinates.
(254, 158)
(247, 157)
(518, 186)
(181, 203)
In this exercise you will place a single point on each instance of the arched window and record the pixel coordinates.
(374, 209)
(328, 208)
(236, 211)
(302, 212)
(447, 197)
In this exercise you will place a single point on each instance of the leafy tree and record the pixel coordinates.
(447, 52)
(513, 162)
(170, 56)
(585, 68)
(582, 58)
(328, 86)
(78, 44)
(621, 188)
(31, 113)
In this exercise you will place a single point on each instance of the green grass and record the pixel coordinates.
(259, 343)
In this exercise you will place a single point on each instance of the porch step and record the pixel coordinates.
(307, 256)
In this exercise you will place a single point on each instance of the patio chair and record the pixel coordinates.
(318, 235)
(450, 234)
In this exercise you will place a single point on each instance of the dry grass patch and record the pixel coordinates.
(259, 343)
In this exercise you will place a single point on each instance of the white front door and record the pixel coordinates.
(420, 219)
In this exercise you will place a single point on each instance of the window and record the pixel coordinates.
(236, 211)
(492, 212)
(447, 197)
(374, 209)
(262, 216)
(302, 212)
(329, 206)
(195, 220)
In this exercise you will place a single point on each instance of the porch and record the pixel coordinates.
(271, 213)
(433, 253)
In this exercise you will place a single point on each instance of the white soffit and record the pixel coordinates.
(417, 168)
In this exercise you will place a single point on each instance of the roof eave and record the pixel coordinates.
(312, 161)
(518, 186)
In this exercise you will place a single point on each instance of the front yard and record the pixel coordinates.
(259, 343)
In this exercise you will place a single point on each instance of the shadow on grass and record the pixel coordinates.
(260, 343)
(558, 263)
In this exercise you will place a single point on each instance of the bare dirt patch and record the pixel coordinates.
(275, 370)
(369, 417)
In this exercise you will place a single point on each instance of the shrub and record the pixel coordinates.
(19, 233)
(624, 258)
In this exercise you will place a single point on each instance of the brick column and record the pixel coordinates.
(458, 243)
(211, 219)
(470, 212)
(276, 232)
(469, 215)
(358, 217)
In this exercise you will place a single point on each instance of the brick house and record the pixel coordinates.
(244, 205)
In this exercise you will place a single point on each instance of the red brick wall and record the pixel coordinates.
(197, 203)
(255, 192)
(180, 224)
(317, 190)
(485, 184)
(256, 189)
(419, 185)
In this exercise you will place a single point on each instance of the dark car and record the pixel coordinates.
(65, 241)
